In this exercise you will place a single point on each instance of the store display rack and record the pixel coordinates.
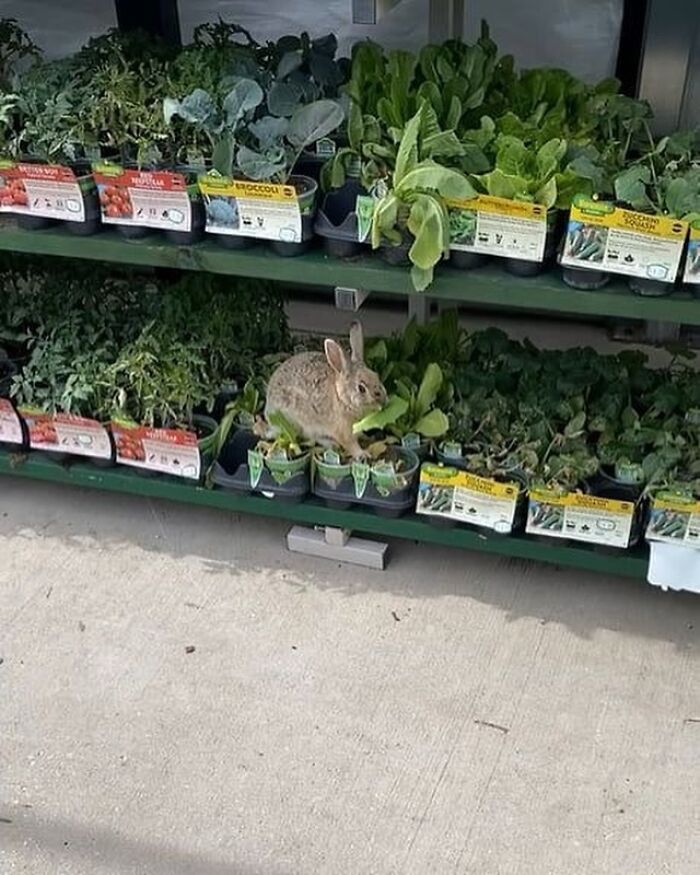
(490, 286)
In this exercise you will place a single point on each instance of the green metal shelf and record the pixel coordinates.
(489, 286)
(632, 563)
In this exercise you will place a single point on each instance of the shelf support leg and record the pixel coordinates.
(419, 308)
(331, 542)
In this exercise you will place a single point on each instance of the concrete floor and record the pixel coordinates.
(455, 714)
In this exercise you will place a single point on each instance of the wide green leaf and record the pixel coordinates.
(407, 156)
(429, 388)
(426, 222)
(314, 121)
(394, 409)
(245, 95)
(284, 98)
(258, 165)
(429, 176)
(433, 425)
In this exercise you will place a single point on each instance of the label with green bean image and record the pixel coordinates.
(467, 498)
(603, 237)
(580, 517)
(675, 521)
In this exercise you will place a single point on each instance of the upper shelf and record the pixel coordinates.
(490, 285)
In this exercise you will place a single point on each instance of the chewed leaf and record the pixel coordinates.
(394, 409)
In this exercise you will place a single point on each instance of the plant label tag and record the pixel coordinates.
(10, 425)
(325, 147)
(498, 226)
(52, 191)
(601, 236)
(580, 517)
(452, 450)
(65, 433)
(143, 198)
(12, 191)
(364, 210)
(411, 441)
(166, 450)
(331, 457)
(360, 477)
(674, 521)
(467, 498)
(256, 465)
(240, 208)
(691, 275)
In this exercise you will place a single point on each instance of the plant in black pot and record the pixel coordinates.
(212, 129)
(55, 127)
(410, 224)
(661, 184)
(274, 145)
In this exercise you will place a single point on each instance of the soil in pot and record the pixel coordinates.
(585, 280)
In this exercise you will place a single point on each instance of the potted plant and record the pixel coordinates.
(411, 222)
(661, 183)
(275, 144)
(214, 127)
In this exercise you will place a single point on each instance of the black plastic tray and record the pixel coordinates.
(295, 489)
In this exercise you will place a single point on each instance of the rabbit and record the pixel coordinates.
(323, 394)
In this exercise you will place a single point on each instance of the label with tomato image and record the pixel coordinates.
(48, 190)
(65, 433)
(12, 191)
(167, 450)
(10, 426)
(146, 198)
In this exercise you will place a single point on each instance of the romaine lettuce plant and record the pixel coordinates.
(414, 207)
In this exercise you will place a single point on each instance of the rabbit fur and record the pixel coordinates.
(323, 394)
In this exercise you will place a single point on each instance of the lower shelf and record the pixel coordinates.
(631, 563)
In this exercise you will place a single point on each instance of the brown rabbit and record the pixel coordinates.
(323, 395)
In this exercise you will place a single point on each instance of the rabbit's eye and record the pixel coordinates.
(362, 388)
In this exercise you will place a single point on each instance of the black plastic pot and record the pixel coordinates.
(307, 189)
(91, 224)
(605, 485)
(196, 232)
(336, 221)
(93, 214)
(293, 491)
(234, 453)
(585, 280)
(468, 260)
(397, 255)
(384, 497)
(230, 241)
(8, 369)
(650, 288)
(520, 267)
(134, 232)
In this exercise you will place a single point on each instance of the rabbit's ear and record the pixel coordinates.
(335, 356)
(357, 342)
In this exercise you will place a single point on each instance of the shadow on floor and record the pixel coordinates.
(229, 545)
(80, 845)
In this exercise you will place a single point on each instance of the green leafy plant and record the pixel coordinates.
(414, 209)
(278, 142)
(219, 124)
